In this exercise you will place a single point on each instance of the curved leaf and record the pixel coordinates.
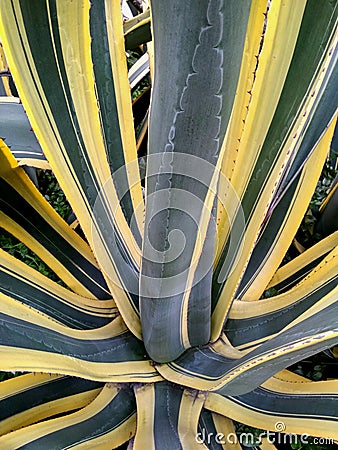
(221, 367)
(26, 285)
(109, 420)
(285, 217)
(139, 70)
(31, 398)
(31, 341)
(27, 215)
(297, 268)
(137, 30)
(273, 136)
(167, 417)
(175, 283)
(307, 407)
(62, 107)
(16, 130)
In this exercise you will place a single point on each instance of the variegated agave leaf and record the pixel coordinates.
(162, 338)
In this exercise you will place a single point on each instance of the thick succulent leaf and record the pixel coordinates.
(31, 341)
(112, 87)
(285, 217)
(139, 70)
(137, 30)
(263, 74)
(26, 214)
(183, 165)
(15, 128)
(86, 128)
(287, 402)
(296, 269)
(18, 135)
(26, 285)
(263, 323)
(167, 417)
(272, 136)
(256, 25)
(75, 134)
(32, 397)
(134, 21)
(220, 366)
(107, 422)
(251, 323)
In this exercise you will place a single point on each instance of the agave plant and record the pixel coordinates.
(179, 315)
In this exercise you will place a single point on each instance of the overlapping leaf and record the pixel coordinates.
(76, 135)
(175, 283)
(247, 95)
